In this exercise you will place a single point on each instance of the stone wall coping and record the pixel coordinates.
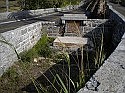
(110, 78)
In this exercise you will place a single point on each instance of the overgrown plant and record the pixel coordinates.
(3, 40)
(42, 48)
(42, 4)
(99, 49)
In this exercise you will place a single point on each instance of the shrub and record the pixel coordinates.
(40, 49)
(42, 46)
(28, 56)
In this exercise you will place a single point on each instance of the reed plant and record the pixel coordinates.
(64, 86)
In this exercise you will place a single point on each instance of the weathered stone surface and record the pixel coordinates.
(123, 36)
(24, 31)
(22, 39)
(121, 45)
(29, 13)
(111, 75)
(92, 84)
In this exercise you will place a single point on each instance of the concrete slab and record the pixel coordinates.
(70, 41)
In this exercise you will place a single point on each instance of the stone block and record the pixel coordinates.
(26, 36)
(123, 36)
(17, 45)
(34, 27)
(1, 71)
(121, 45)
(20, 49)
(24, 42)
(38, 25)
(24, 31)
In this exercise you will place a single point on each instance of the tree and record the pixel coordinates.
(36, 4)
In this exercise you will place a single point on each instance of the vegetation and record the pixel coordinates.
(20, 74)
(25, 70)
(123, 2)
(58, 78)
(38, 4)
(41, 49)
(16, 5)
(13, 5)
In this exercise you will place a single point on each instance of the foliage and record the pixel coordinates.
(42, 48)
(13, 6)
(58, 56)
(29, 55)
(38, 4)
(12, 74)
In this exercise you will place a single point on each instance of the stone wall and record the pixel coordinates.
(25, 37)
(110, 78)
(31, 13)
(22, 39)
(119, 27)
(25, 14)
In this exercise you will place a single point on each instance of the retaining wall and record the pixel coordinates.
(25, 37)
(110, 78)
(22, 39)
(30, 13)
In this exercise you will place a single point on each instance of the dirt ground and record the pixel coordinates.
(20, 75)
